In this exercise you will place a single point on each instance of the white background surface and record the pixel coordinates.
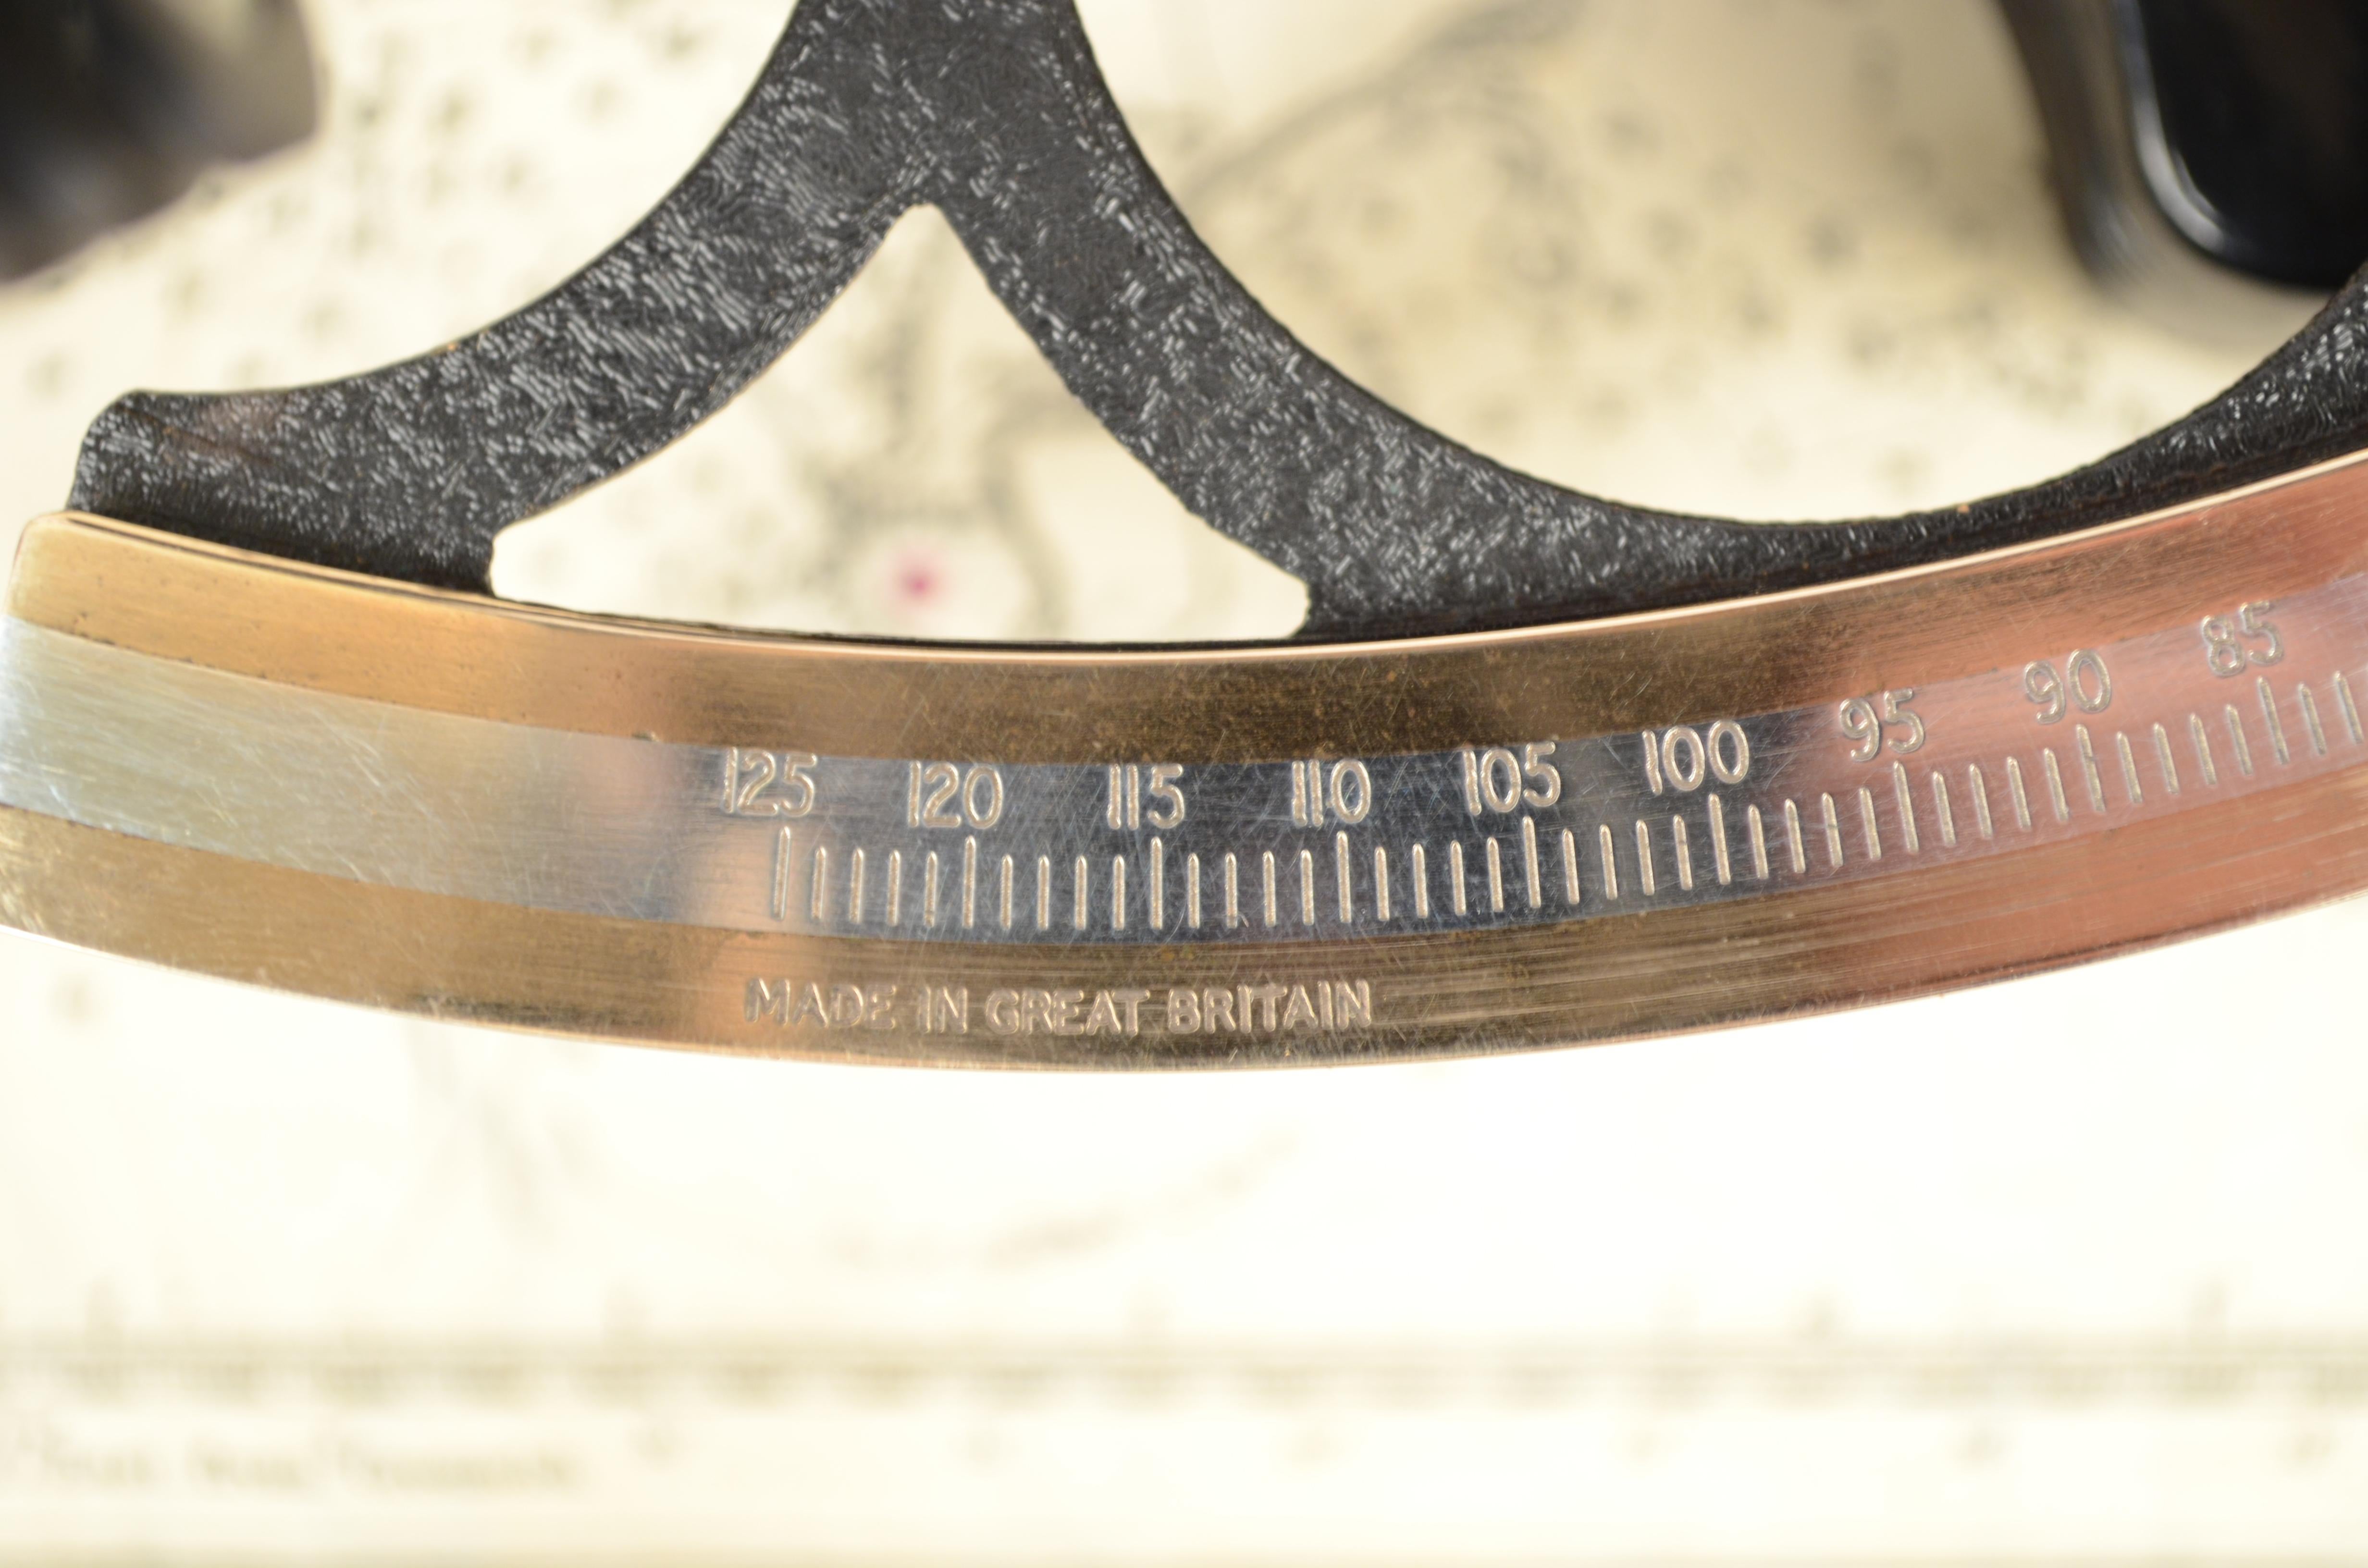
(2069, 1269)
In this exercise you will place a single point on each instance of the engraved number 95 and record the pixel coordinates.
(1865, 719)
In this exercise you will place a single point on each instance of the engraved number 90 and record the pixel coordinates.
(2085, 684)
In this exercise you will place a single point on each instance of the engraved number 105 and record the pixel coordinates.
(1499, 781)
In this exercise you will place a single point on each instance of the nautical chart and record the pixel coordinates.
(2063, 1270)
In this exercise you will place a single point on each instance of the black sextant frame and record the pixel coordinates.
(994, 111)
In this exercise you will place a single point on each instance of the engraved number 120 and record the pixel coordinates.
(939, 794)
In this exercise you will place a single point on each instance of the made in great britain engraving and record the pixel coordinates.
(1249, 1008)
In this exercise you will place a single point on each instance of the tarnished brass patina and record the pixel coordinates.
(466, 808)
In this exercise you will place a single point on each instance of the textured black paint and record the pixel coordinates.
(994, 111)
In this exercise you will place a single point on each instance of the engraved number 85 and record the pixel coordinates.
(2226, 655)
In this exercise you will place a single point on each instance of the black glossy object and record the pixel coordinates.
(109, 109)
(993, 110)
(2263, 108)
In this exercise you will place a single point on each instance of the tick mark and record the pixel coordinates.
(2351, 713)
(2088, 769)
(1530, 862)
(2270, 712)
(782, 875)
(2202, 740)
(2236, 741)
(2310, 719)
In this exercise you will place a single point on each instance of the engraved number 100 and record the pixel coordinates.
(1681, 758)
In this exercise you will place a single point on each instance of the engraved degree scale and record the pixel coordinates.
(1165, 858)
(1639, 774)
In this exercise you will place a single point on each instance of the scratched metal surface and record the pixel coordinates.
(1537, 833)
(2062, 1270)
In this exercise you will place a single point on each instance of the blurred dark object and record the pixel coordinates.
(109, 108)
(2211, 156)
(2263, 108)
